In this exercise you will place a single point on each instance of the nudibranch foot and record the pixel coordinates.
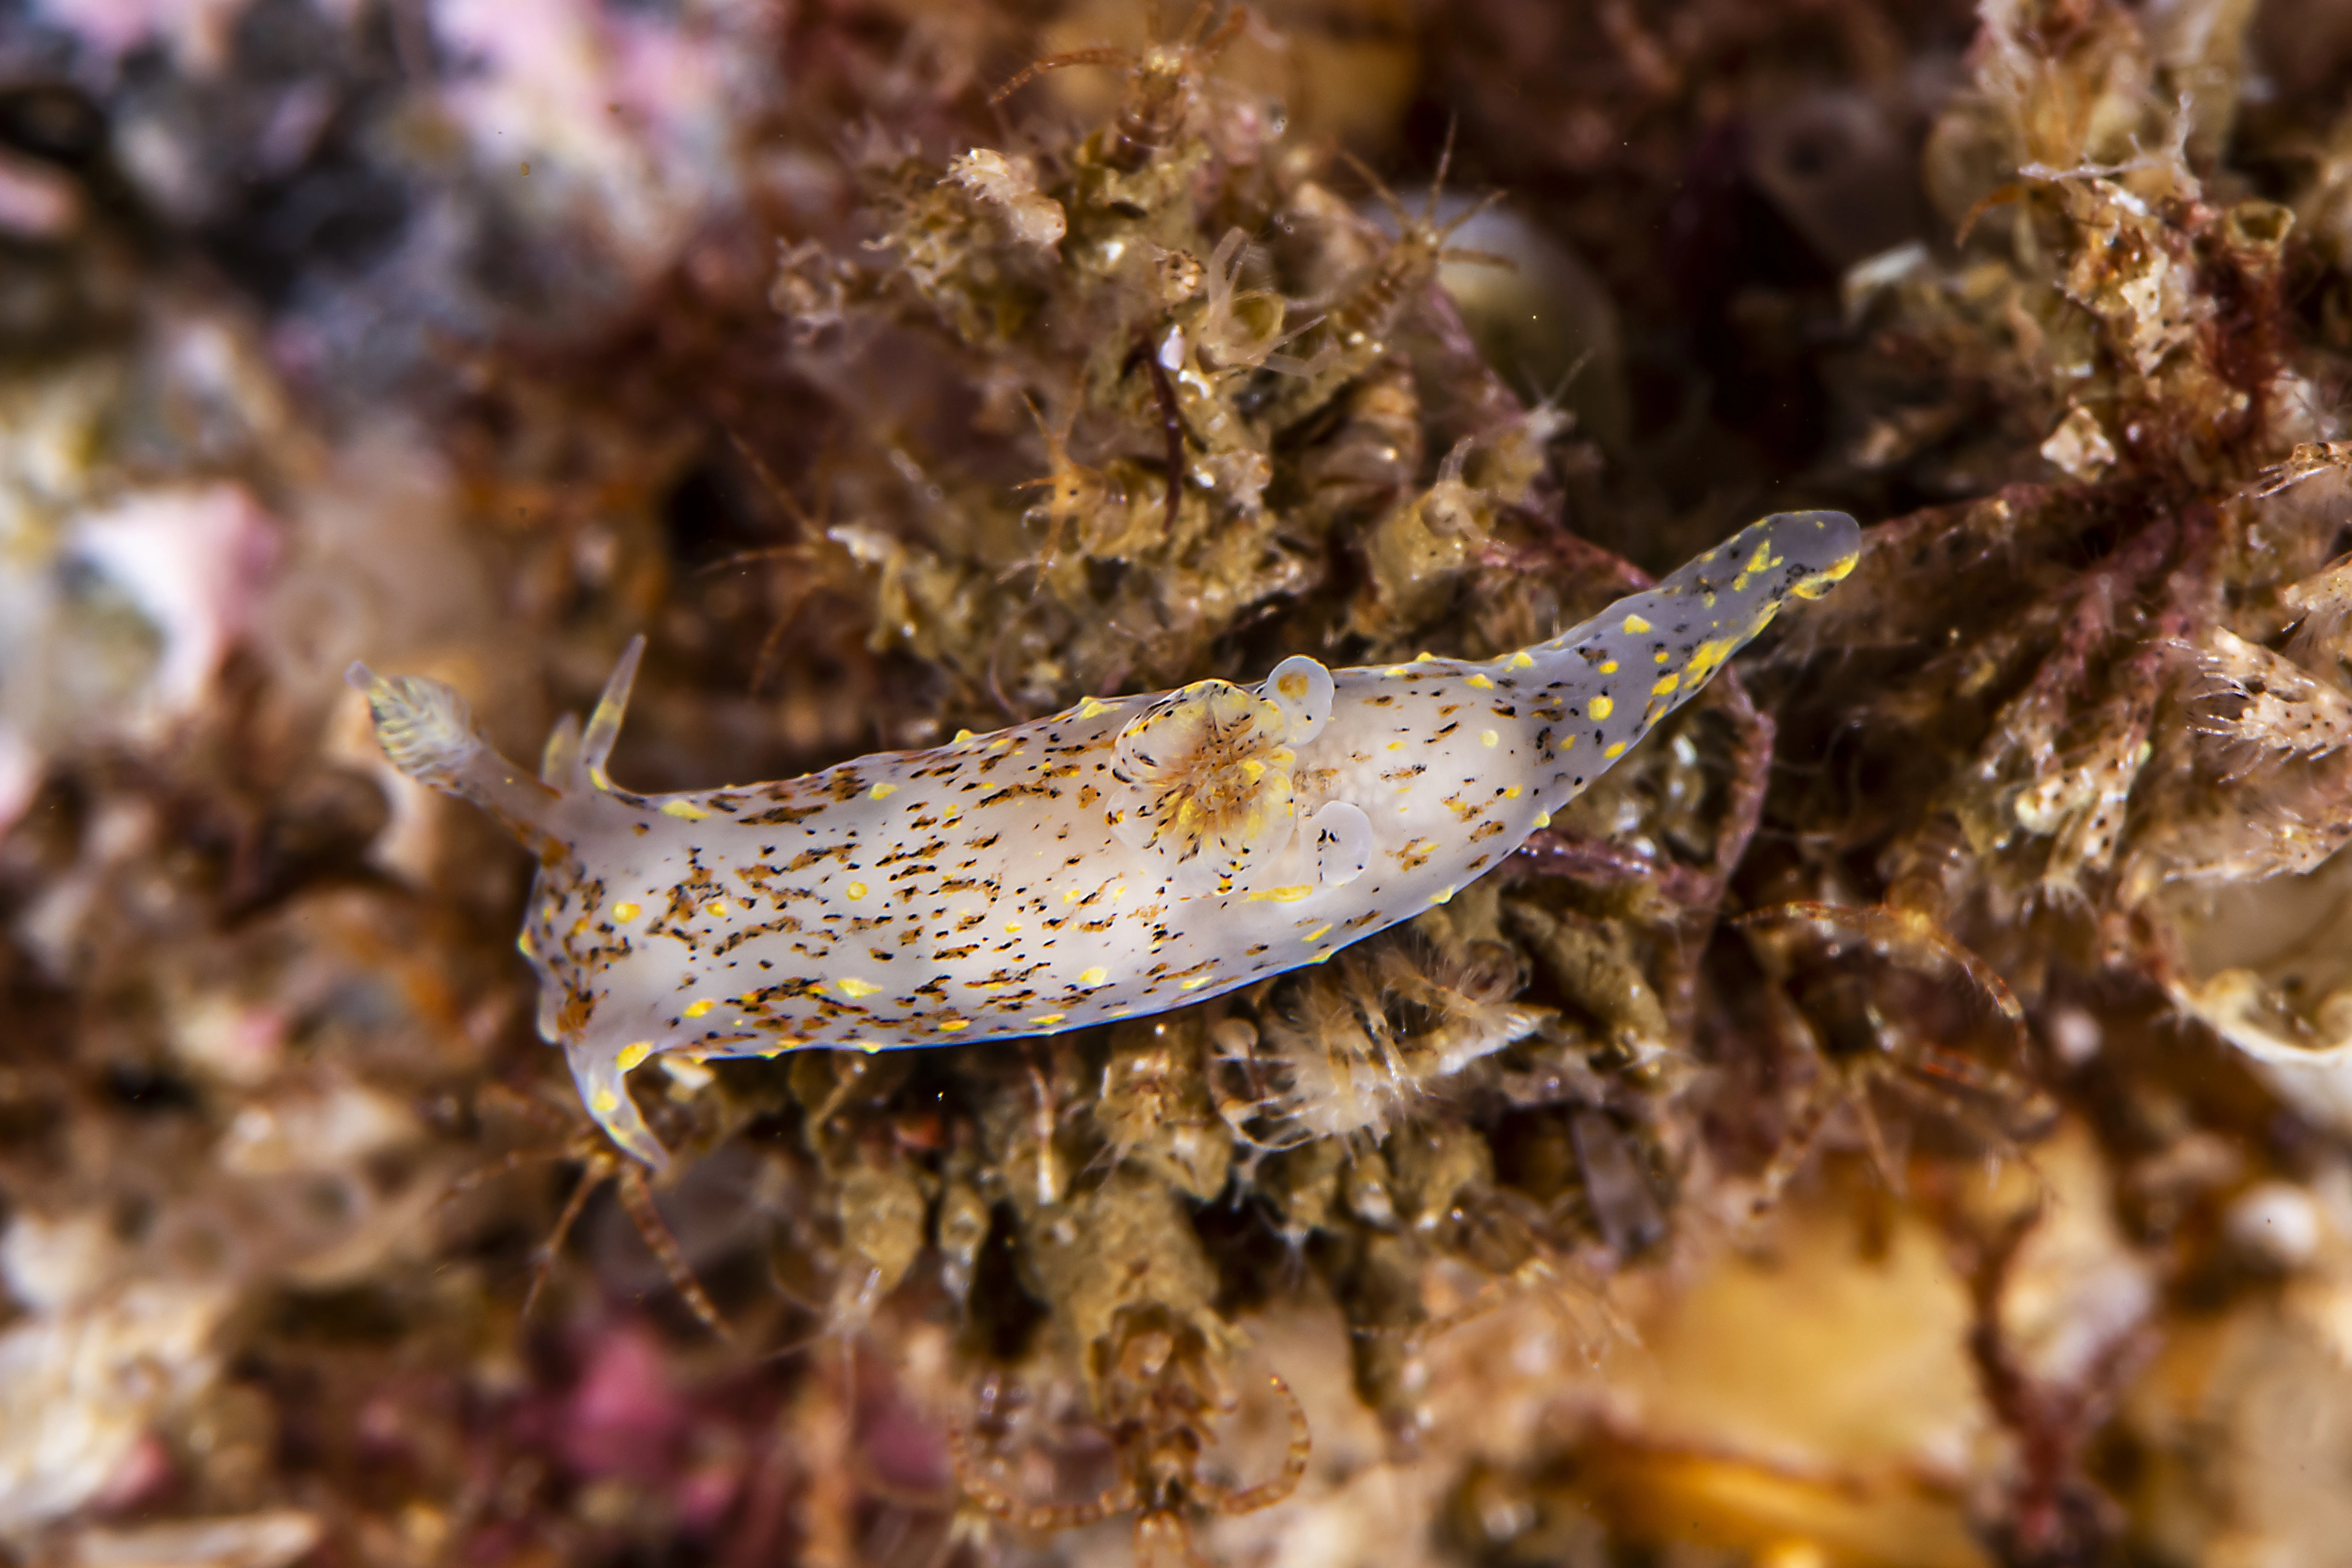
(596, 1068)
(1116, 860)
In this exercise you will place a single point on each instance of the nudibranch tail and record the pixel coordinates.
(1647, 654)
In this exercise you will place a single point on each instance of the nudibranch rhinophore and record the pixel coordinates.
(1126, 856)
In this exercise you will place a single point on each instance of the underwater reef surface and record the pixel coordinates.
(1901, 1115)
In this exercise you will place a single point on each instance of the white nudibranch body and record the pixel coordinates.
(1124, 857)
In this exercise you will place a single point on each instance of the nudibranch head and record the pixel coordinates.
(1204, 775)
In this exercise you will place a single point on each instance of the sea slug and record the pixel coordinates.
(1125, 856)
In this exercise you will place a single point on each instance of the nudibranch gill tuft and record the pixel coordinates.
(1124, 857)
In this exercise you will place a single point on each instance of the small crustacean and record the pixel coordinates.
(1161, 1394)
(1878, 998)
(1369, 312)
(1354, 332)
(1074, 494)
(598, 1164)
(1163, 82)
(2309, 460)
(1116, 860)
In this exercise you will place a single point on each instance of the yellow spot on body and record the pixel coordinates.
(1543, 820)
(1601, 707)
(960, 737)
(954, 1026)
(870, 1047)
(1071, 896)
(1614, 752)
(1523, 660)
(525, 945)
(1317, 934)
(1482, 683)
(1013, 926)
(604, 1102)
(632, 1057)
(1821, 582)
(1280, 895)
(1662, 656)
(1763, 560)
(624, 910)
(1292, 685)
(1093, 977)
(685, 811)
(1000, 743)
(1396, 745)
(1708, 657)
(701, 1005)
(1254, 770)
(1399, 670)
(1512, 793)
(599, 778)
(1610, 668)
(1739, 584)
(1090, 708)
(1196, 982)
(851, 986)
(856, 890)
(1444, 895)
(1636, 625)
(716, 909)
(1488, 738)
(1049, 1018)
(1666, 683)
(883, 791)
(1423, 658)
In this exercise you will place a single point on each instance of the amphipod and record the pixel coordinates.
(1123, 857)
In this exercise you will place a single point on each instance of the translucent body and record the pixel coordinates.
(1118, 859)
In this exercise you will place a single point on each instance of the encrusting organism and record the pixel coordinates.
(1118, 859)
